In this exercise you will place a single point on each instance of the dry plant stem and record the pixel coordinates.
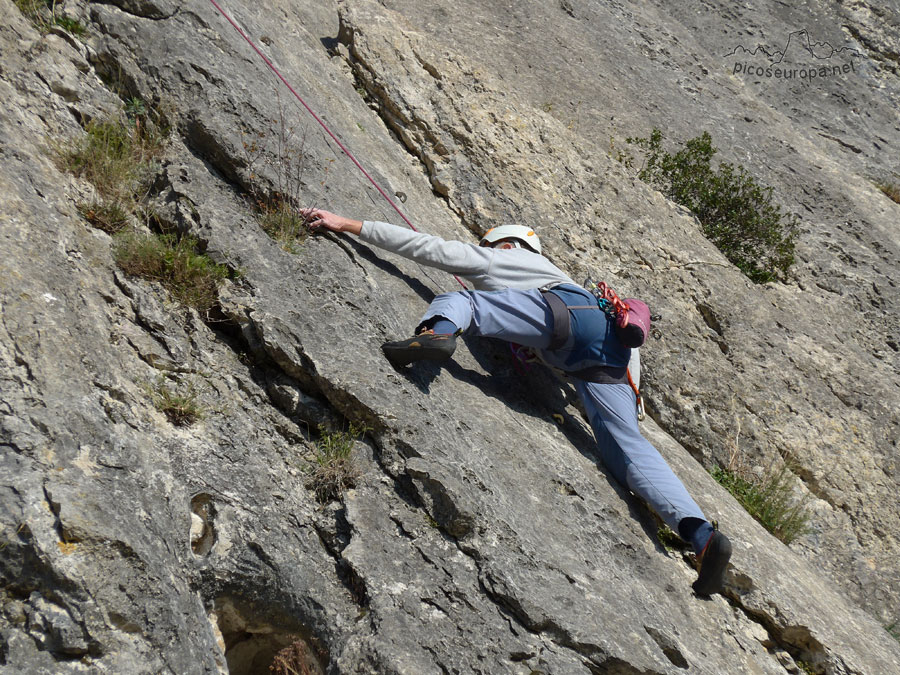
(278, 204)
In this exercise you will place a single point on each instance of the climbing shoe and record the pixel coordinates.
(713, 561)
(426, 345)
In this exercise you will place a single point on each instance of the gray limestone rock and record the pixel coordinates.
(482, 535)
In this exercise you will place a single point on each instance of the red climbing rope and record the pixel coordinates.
(318, 119)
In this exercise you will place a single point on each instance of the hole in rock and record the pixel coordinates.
(203, 531)
(254, 643)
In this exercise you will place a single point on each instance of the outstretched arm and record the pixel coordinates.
(319, 218)
(455, 257)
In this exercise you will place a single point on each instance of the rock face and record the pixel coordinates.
(481, 535)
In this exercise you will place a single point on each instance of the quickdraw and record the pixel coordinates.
(609, 302)
(641, 412)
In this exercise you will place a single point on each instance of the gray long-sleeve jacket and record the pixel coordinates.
(486, 269)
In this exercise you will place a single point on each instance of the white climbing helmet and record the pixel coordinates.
(520, 233)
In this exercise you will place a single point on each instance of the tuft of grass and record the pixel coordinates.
(42, 14)
(294, 659)
(281, 221)
(109, 216)
(39, 12)
(891, 189)
(894, 630)
(191, 277)
(669, 540)
(118, 156)
(74, 26)
(769, 500)
(334, 469)
(736, 213)
(181, 406)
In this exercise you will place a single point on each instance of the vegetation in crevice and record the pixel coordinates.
(43, 16)
(174, 261)
(179, 403)
(668, 539)
(770, 500)
(281, 154)
(295, 659)
(893, 630)
(120, 157)
(334, 469)
(891, 188)
(737, 213)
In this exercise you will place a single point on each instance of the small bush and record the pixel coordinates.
(192, 278)
(180, 406)
(737, 213)
(769, 500)
(334, 470)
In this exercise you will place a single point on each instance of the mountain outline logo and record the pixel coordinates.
(807, 70)
(777, 56)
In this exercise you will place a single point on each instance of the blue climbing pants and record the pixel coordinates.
(524, 317)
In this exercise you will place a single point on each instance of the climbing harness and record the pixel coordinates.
(324, 126)
(612, 306)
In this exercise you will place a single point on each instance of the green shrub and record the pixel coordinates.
(737, 214)
(334, 469)
(192, 278)
(769, 500)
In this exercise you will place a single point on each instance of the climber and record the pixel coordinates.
(522, 297)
